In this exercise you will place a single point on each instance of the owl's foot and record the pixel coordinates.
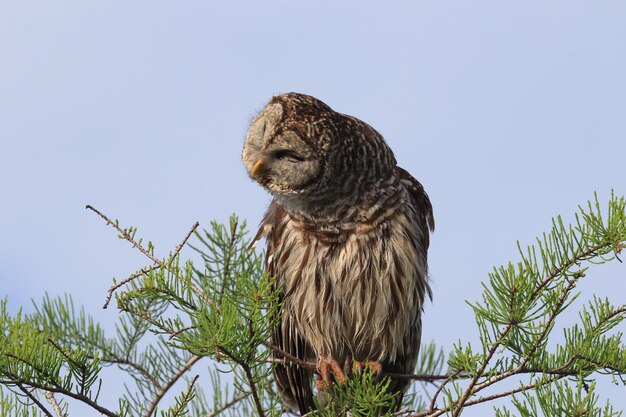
(374, 366)
(330, 372)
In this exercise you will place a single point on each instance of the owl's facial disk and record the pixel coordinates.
(279, 160)
(285, 170)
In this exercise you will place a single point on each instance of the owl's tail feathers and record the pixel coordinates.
(295, 389)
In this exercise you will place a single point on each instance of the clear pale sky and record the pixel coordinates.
(507, 112)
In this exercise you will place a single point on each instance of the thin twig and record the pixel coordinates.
(181, 403)
(564, 267)
(179, 331)
(54, 403)
(513, 391)
(237, 398)
(470, 389)
(130, 364)
(290, 358)
(227, 258)
(148, 319)
(114, 287)
(249, 377)
(165, 388)
(546, 329)
(34, 399)
(71, 361)
(181, 244)
(440, 389)
(416, 377)
(125, 234)
(157, 263)
(441, 411)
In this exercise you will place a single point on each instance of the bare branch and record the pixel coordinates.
(54, 403)
(292, 359)
(127, 236)
(513, 391)
(157, 263)
(114, 287)
(181, 244)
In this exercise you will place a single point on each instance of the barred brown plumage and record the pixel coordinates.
(347, 234)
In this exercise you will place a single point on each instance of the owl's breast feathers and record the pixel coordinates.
(355, 285)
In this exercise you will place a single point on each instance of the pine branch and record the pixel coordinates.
(433, 401)
(227, 261)
(518, 316)
(475, 388)
(34, 399)
(80, 397)
(249, 377)
(180, 408)
(470, 389)
(236, 399)
(561, 250)
(165, 388)
(52, 385)
(434, 412)
(128, 235)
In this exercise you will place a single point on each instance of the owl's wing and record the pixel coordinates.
(421, 202)
(422, 213)
(294, 382)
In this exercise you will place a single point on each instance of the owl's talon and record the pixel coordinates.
(321, 384)
(374, 366)
(347, 365)
(330, 371)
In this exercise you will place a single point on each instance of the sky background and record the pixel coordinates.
(508, 113)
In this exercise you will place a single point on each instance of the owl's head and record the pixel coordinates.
(298, 148)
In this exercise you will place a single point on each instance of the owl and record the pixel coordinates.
(347, 234)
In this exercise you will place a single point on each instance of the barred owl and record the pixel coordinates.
(346, 235)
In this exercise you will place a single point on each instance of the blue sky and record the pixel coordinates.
(507, 112)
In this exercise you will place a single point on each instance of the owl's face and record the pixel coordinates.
(279, 159)
(309, 156)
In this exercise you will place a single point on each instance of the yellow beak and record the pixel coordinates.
(257, 166)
